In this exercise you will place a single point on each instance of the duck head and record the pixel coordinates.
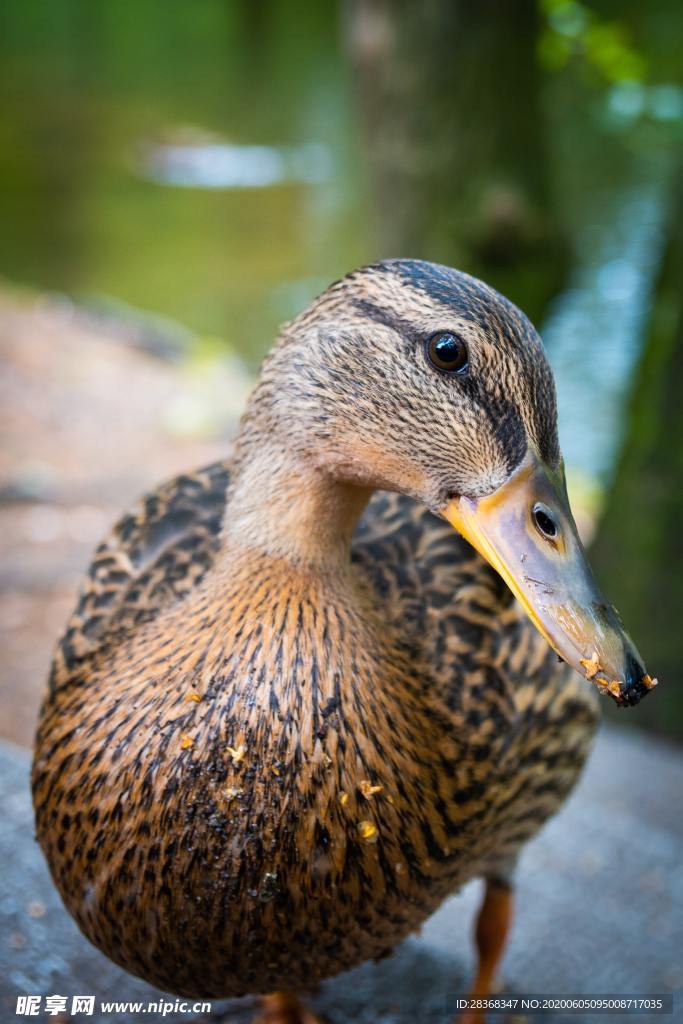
(413, 377)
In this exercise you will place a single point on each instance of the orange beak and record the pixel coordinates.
(526, 531)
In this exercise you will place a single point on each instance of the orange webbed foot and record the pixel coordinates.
(284, 1008)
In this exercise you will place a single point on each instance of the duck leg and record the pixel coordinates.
(491, 932)
(284, 1008)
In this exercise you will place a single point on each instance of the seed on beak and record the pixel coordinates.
(590, 665)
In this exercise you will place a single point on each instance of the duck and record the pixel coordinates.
(311, 690)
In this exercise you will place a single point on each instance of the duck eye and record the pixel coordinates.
(447, 352)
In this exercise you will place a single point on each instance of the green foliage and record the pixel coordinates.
(639, 548)
(573, 32)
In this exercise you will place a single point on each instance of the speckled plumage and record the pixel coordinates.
(222, 699)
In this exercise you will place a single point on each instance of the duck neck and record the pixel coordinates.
(283, 505)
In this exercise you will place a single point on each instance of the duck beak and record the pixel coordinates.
(526, 531)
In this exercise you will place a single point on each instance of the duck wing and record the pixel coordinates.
(154, 554)
(442, 598)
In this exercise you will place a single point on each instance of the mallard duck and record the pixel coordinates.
(301, 699)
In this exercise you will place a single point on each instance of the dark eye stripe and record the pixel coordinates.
(503, 415)
(406, 329)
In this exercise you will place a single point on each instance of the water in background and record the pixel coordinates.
(204, 163)
(191, 160)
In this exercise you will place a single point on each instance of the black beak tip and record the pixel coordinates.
(635, 686)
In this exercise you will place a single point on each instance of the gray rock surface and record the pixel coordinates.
(599, 910)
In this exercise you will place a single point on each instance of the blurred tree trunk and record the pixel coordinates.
(638, 553)
(449, 98)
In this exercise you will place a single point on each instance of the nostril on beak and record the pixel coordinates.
(545, 521)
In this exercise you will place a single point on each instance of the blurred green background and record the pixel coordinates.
(201, 170)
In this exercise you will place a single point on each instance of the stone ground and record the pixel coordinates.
(599, 909)
(93, 411)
